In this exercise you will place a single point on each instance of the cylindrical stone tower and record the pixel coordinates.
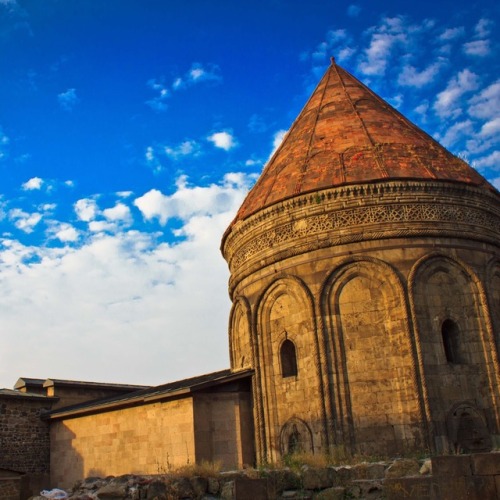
(365, 281)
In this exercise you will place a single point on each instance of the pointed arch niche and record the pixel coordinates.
(494, 300)
(288, 360)
(455, 349)
(375, 376)
(240, 339)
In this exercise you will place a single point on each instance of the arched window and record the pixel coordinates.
(451, 341)
(288, 359)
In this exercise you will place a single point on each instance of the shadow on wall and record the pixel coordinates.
(66, 464)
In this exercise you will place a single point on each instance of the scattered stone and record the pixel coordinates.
(112, 490)
(157, 490)
(335, 493)
(199, 485)
(316, 478)
(403, 467)
(426, 467)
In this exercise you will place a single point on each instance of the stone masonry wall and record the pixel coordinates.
(24, 437)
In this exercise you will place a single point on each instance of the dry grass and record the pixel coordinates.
(203, 469)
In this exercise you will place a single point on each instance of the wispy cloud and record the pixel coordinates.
(23, 220)
(187, 148)
(411, 77)
(4, 142)
(68, 99)
(384, 39)
(33, 184)
(486, 104)
(223, 140)
(477, 48)
(448, 101)
(158, 102)
(197, 74)
(86, 209)
(452, 33)
(353, 10)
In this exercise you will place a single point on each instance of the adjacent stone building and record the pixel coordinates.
(365, 281)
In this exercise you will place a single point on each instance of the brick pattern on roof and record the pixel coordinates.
(347, 134)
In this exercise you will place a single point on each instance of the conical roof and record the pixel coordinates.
(346, 134)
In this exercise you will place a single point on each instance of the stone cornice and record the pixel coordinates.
(358, 213)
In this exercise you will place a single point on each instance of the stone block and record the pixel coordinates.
(464, 488)
(414, 488)
(459, 465)
(250, 489)
(316, 478)
(403, 467)
(369, 471)
(335, 493)
(486, 464)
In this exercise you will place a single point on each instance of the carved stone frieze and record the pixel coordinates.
(360, 213)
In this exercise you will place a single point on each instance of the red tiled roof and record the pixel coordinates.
(347, 134)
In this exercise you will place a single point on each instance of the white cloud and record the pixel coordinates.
(278, 138)
(447, 102)
(411, 77)
(158, 102)
(456, 132)
(452, 33)
(23, 220)
(152, 161)
(491, 160)
(382, 44)
(68, 100)
(483, 28)
(86, 209)
(4, 141)
(119, 213)
(491, 127)
(477, 48)
(186, 148)
(116, 290)
(35, 183)
(487, 103)
(64, 232)
(189, 201)
(223, 140)
(196, 74)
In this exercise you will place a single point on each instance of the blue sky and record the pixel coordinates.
(130, 131)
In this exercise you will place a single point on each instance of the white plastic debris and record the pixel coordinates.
(55, 494)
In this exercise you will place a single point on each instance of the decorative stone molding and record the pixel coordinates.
(360, 213)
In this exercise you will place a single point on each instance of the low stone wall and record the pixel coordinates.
(10, 488)
(471, 477)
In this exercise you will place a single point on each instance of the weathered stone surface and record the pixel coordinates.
(112, 490)
(157, 490)
(365, 488)
(342, 475)
(199, 485)
(412, 488)
(335, 493)
(403, 467)
(452, 465)
(227, 491)
(250, 489)
(485, 464)
(369, 471)
(426, 467)
(180, 488)
(316, 478)
(213, 485)
(282, 479)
